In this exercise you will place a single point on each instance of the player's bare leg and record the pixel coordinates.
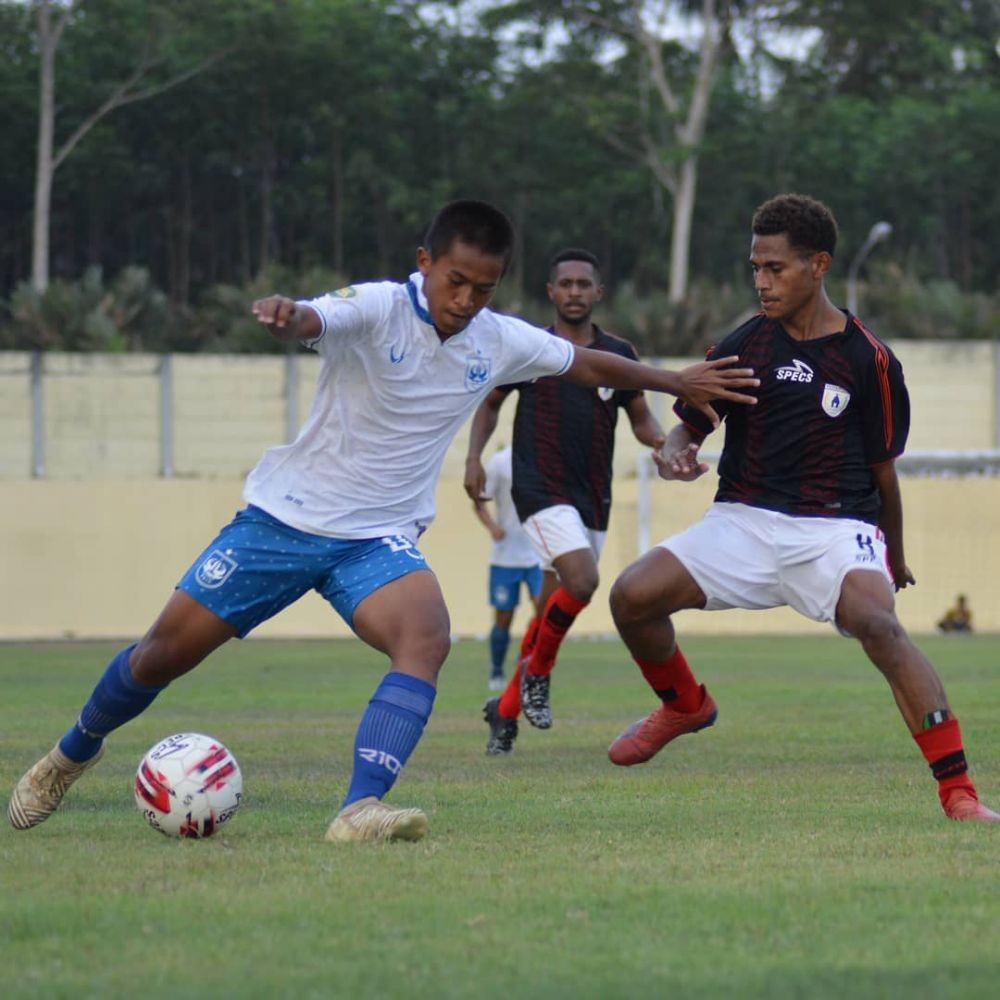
(408, 621)
(642, 600)
(867, 610)
(180, 638)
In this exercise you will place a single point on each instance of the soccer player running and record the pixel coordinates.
(564, 436)
(807, 512)
(340, 509)
(512, 560)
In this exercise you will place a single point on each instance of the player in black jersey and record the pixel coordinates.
(563, 444)
(808, 510)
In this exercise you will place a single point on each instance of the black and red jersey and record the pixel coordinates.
(564, 441)
(828, 410)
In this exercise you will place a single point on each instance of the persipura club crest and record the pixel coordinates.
(835, 399)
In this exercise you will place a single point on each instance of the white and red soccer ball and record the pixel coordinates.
(188, 785)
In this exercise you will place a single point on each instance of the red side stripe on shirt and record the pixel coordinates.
(882, 369)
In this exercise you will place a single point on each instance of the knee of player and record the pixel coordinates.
(877, 625)
(438, 647)
(583, 586)
(626, 601)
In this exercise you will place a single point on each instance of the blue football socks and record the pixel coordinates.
(499, 641)
(116, 699)
(389, 730)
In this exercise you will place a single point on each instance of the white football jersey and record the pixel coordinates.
(390, 398)
(514, 549)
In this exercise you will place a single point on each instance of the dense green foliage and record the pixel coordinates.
(794, 850)
(325, 133)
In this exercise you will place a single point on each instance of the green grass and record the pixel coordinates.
(795, 850)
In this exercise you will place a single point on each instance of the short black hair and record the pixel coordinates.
(477, 223)
(807, 222)
(574, 253)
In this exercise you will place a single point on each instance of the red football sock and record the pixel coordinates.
(941, 746)
(509, 705)
(559, 615)
(673, 682)
(528, 639)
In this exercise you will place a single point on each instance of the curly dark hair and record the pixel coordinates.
(808, 223)
(574, 253)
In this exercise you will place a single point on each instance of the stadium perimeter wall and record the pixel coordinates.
(93, 548)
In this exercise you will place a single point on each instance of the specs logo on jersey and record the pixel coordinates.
(797, 371)
(394, 357)
(605, 393)
(835, 399)
(477, 372)
(215, 570)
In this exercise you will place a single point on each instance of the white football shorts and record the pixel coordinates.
(557, 530)
(747, 557)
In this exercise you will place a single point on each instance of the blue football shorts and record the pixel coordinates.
(505, 585)
(258, 565)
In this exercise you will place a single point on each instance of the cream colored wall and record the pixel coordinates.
(101, 412)
(97, 559)
(95, 548)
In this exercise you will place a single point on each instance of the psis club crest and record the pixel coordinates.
(215, 570)
(477, 372)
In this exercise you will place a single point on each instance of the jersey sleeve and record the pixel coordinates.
(531, 352)
(347, 313)
(886, 407)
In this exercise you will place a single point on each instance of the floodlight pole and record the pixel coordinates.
(877, 233)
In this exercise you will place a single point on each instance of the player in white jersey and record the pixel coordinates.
(340, 509)
(512, 559)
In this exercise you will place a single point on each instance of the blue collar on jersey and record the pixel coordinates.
(421, 312)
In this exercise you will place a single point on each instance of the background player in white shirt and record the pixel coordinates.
(512, 559)
(340, 509)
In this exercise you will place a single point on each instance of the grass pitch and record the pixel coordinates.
(795, 850)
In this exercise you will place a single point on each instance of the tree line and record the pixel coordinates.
(164, 162)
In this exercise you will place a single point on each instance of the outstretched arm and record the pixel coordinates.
(286, 320)
(697, 385)
(484, 423)
(890, 520)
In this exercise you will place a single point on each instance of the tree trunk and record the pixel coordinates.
(680, 237)
(43, 169)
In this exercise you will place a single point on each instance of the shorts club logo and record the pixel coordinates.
(215, 570)
(835, 399)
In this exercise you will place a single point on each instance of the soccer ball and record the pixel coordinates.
(188, 785)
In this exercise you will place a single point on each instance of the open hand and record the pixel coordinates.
(682, 464)
(710, 380)
(275, 310)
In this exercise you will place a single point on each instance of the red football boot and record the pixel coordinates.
(647, 737)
